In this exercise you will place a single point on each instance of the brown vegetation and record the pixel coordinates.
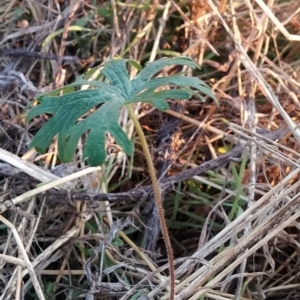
(93, 231)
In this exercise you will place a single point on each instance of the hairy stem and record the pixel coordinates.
(158, 199)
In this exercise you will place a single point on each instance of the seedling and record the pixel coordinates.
(117, 90)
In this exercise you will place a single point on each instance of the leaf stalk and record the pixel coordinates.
(158, 199)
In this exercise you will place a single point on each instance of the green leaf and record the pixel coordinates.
(115, 71)
(158, 99)
(101, 121)
(53, 34)
(67, 109)
(94, 112)
(193, 82)
(154, 67)
(135, 64)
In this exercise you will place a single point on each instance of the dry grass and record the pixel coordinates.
(234, 228)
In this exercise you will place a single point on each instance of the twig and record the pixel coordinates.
(281, 28)
(26, 260)
(115, 18)
(53, 184)
(162, 25)
(166, 183)
(40, 55)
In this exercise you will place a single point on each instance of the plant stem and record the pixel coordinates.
(158, 199)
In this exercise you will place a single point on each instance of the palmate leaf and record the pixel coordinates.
(71, 115)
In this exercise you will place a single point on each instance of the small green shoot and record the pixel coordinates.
(69, 120)
(72, 118)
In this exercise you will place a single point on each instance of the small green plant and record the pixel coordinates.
(72, 116)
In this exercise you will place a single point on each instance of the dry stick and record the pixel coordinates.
(280, 27)
(143, 191)
(29, 168)
(109, 220)
(256, 211)
(18, 282)
(46, 254)
(162, 26)
(115, 18)
(22, 250)
(13, 260)
(280, 220)
(47, 186)
(39, 55)
(158, 200)
(142, 255)
(147, 260)
(250, 67)
(61, 73)
(250, 119)
(23, 224)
